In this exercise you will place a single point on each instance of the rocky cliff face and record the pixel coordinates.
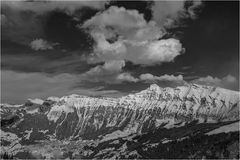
(75, 116)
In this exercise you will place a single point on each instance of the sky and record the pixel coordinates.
(113, 48)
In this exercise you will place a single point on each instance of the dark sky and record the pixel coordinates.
(112, 49)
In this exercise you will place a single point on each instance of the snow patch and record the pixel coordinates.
(32, 111)
(28, 134)
(152, 145)
(43, 131)
(56, 112)
(115, 135)
(165, 140)
(234, 127)
(115, 142)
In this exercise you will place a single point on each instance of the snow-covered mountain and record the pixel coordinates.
(78, 117)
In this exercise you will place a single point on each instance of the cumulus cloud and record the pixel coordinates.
(40, 44)
(228, 81)
(144, 52)
(110, 72)
(130, 24)
(110, 67)
(150, 77)
(126, 77)
(122, 34)
(105, 73)
(147, 77)
(153, 52)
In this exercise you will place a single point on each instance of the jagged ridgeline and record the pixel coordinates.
(132, 126)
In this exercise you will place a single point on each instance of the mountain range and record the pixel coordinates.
(191, 121)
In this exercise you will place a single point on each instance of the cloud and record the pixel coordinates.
(18, 87)
(229, 81)
(147, 77)
(150, 77)
(104, 73)
(208, 80)
(122, 34)
(130, 24)
(110, 72)
(40, 44)
(167, 13)
(108, 68)
(126, 77)
(153, 52)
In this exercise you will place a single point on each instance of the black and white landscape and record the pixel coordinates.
(120, 80)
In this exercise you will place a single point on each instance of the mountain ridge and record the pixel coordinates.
(182, 99)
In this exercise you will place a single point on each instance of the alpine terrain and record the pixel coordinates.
(191, 121)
